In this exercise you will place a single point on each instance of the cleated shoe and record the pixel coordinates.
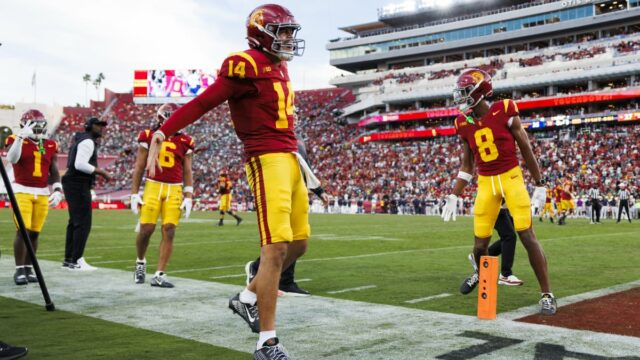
(20, 276)
(9, 352)
(31, 276)
(250, 271)
(271, 350)
(469, 284)
(238, 220)
(161, 281)
(140, 273)
(510, 280)
(294, 290)
(548, 305)
(247, 312)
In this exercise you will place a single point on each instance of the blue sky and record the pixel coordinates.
(63, 40)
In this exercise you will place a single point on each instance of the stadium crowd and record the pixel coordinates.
(397, 177)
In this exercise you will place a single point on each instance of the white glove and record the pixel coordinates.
(27, 130)
(93, 195)
(539, 195)
(187, 204)
(55, 198)
(449, 209)
(136, 202)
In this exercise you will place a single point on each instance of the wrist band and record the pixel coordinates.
(57, 186)
(188, 189)
(465, 176)
(161, 133)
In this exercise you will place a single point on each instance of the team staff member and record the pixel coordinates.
(489, 136)
(224, 188)
(82, 168)
(256, 84)
(34, 160)
(163, 195)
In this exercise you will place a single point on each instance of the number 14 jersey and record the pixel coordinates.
(490, 139)
(260, 100)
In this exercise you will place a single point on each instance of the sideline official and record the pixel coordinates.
(82, 168)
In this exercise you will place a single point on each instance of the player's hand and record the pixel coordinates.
(94, 196)
(539, 194)
(55, 198)
(187, 205)
(136, 202)
(27, 130)
(325, 198)
(449, 209)
(154, 150)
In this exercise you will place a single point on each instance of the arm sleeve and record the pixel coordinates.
(14, 153)
(221, 90)
(85, 150)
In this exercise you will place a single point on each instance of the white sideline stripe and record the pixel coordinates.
(303, 280)
(312, 327)
(399, 252)
(133, 245)
(359, 288)
(439, 296)
(227, 276)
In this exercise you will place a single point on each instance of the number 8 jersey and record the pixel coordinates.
(490, 139)
(170, 157)
(261, 102)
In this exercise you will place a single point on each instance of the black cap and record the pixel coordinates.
(94, 121)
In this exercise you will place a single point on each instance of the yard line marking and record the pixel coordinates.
(133, 245)
(303, 280)
(132, 260)
(398, 252)
(227, 276)
(439, 296)
(359, 288)
(381, 331)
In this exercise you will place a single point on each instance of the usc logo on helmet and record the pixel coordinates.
(477, 76)
(257, 18)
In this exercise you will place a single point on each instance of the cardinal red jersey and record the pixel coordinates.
(224, 185)
(549, 196)
(557, 192)
(260, 98)
(33, 167)
(567, 189)
(490, 139)
(170, 156)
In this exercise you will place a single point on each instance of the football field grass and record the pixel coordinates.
(383, 259)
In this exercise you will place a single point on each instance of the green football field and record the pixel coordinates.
(381, 259)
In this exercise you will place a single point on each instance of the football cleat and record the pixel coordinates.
(238, 220)
(20, 276)
(82, 265)
(161, 281)
(294, 290)
(9, 352)
(140, 273)
(510, 280)
(31, 277)
(250, 272)
(247, 312)
(548, 304)
(221, 222)
(469, 284)
(271, 350)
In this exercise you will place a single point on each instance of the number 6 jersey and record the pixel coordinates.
(260, 100)
(490, 139)
(170, 156)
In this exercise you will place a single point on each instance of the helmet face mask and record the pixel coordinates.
(38, 120)
(472, 86)
(273, 29)
(164, 113)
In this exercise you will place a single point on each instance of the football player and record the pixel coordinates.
(224, 188)
(164, 195)
(548, 207)
(255, 82)
(489, 134)
(566, 199)
(34, 159)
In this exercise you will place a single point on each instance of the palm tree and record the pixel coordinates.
(96, 82)
(87, 79)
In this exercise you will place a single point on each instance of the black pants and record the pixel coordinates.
(506, 245)
(78, 195)
(595, 210)
(286, 278)
(624, 204)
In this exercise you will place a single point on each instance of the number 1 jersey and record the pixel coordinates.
(32, 169)
(490, 139)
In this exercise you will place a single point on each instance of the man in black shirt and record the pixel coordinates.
(82, 168)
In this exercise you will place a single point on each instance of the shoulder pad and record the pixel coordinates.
(144, 135)
(240, 65)
(10, 140)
